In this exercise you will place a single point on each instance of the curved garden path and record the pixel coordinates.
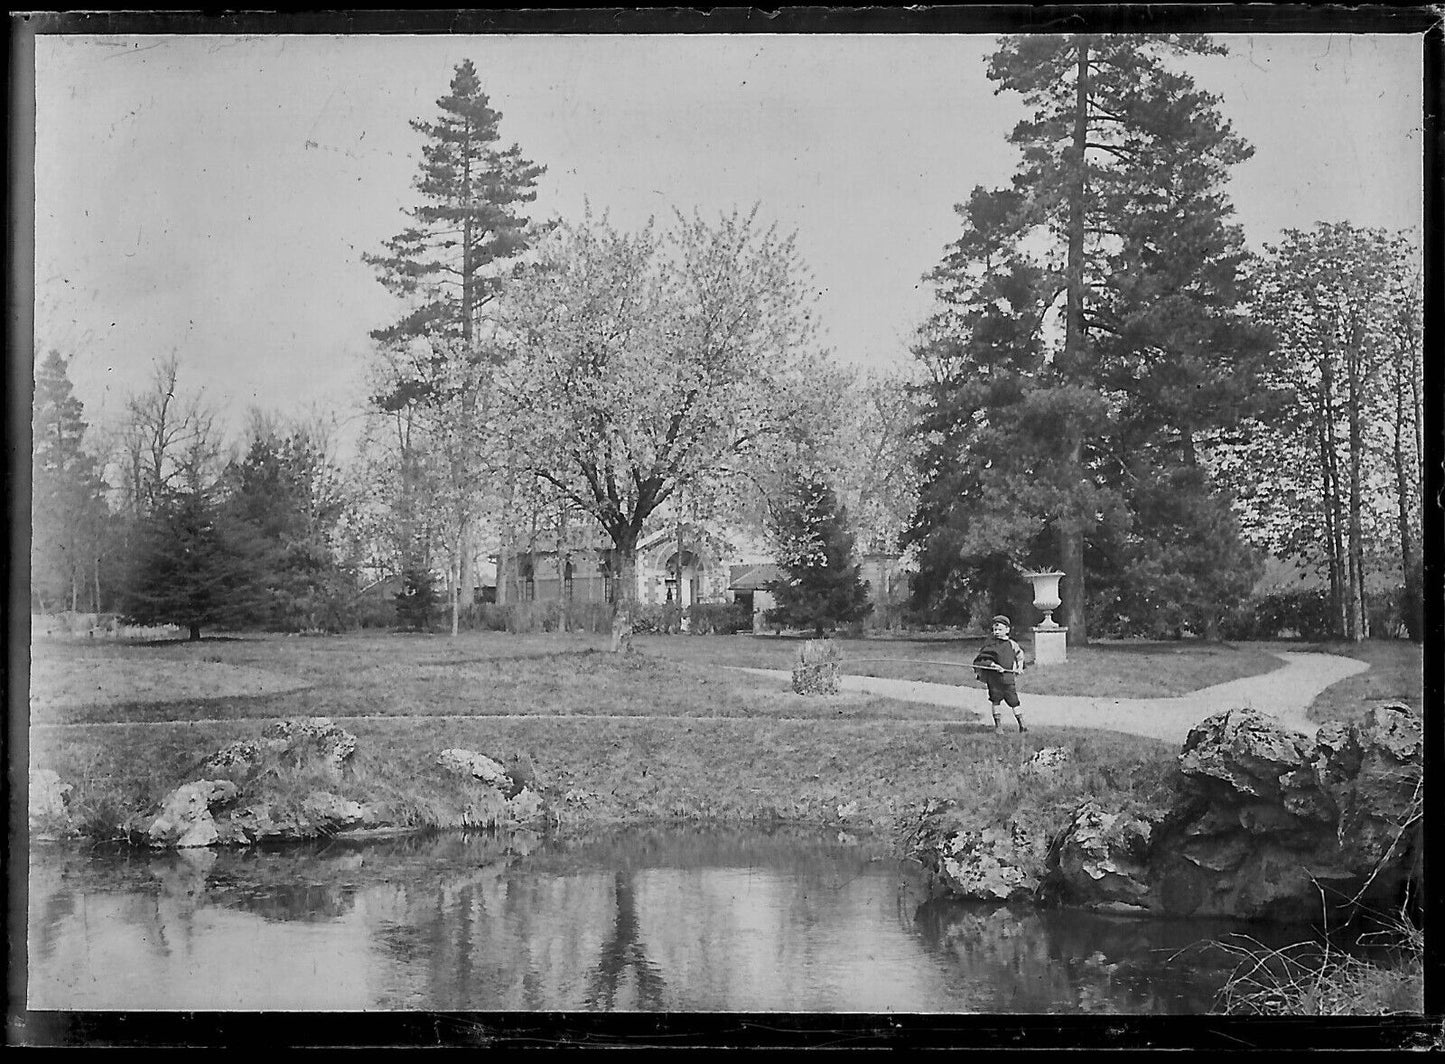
(1284, 693)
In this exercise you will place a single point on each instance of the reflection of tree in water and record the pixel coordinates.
(623, 952)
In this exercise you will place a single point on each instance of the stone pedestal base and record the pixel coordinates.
(1050, 645)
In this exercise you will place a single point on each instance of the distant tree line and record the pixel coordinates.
(181, 534)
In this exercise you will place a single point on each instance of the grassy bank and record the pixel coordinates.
(861, 775)
(669, 732)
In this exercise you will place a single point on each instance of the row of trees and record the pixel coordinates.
(1116, 387)
(160, 525)
(1110, 383)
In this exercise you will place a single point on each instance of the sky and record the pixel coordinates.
(211, 196)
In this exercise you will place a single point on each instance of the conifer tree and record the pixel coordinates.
(68, 513)
(194, 564)
(467, 228)
(1089, 325)
(288, 493)
(822, 585)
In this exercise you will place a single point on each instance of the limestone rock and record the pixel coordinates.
(478, 766)
(295, 742)
(990, 864)
(185, 817)
(525, 806)
(244, 754)
(1241, 752)
(1100, 860)
(1272, 825)
(1371, 773)
(330, 813)
(49, 805)
(311, 739)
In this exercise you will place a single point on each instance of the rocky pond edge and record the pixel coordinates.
(1265, 823)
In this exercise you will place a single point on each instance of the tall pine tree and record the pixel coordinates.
(1089, 337)
(464, 239)
(467, 229)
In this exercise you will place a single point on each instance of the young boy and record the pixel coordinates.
(998, 663)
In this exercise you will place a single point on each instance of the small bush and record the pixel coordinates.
(719, 618)
(818, 667)
(656, 618)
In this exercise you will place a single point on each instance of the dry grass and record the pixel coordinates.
(1317, 979)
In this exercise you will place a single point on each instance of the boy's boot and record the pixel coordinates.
(997, 721)
(1021, 723)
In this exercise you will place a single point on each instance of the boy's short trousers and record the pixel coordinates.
(1003, 688)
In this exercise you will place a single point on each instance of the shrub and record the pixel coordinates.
(817, 668)
(719, 618)
(656, 618)
(417, 599)
(1305, 613)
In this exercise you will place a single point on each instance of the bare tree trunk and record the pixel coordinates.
(1070, 534)
(1354, 379)
(454, 582)
(1330, 489)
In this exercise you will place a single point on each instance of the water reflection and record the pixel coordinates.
(655, 920)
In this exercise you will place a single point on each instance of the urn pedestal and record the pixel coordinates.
(1050, 639)
(1050, 645)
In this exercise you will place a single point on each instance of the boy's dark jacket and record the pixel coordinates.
(1004, 653)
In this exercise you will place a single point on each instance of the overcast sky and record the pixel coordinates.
(212, 196)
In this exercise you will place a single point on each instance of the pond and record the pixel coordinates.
(656, 919)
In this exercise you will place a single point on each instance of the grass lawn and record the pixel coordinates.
(666, 733)
(1396, 674)
(1106, 668)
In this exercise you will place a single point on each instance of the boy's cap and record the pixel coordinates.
(1001, 619)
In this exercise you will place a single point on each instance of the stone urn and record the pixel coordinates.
(1050, 642)
(1046, 595)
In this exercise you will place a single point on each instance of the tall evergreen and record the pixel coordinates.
(1088, 337)
(822, 584)
(68, 512)
(449, 263)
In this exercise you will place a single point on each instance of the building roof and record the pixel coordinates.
(753, 577)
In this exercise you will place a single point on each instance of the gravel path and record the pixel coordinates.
(1285, 693)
